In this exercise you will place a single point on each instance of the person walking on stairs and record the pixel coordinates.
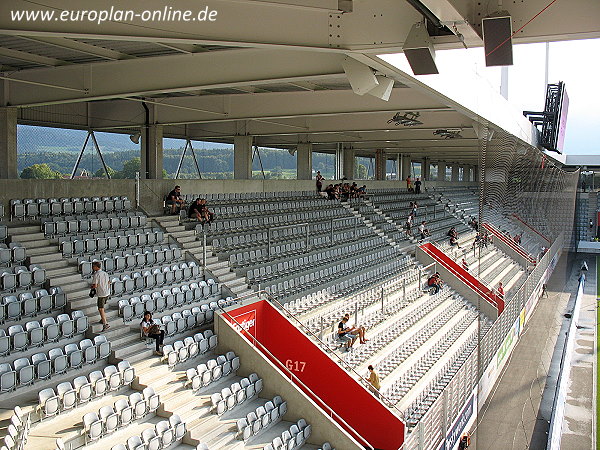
(100, 288)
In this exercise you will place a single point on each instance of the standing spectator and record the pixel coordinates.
(465, 265)
(319, 179)
(174, 200)
(500, 290)
(418, 186)
(151, 328)
(408, 183)
(465, 441)
(423, 232)
(591, 224)
(583, 186)
(374, 381)
(408, 225)
(101, 288)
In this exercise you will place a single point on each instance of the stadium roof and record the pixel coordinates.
(272, 69)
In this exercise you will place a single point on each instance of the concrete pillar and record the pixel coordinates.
(8, 142)
(380, 165)
(242, 157)
(349, 163)
(476, 174)
(441, 171)
(304, 161)
(339, 162)
(152, 156)
(398, 166)
(454, 172)
(406, 169)
(425, 169)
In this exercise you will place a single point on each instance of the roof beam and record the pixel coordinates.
(80, 47)
(172, 73)
(31, 58)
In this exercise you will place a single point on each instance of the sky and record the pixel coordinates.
(573, 62)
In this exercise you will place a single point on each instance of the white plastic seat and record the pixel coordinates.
(137, 402)
(163, 429)
(127, 372)
(113, 376)
(83, 388)
(152, 399)
(98, 381)
(25, 371)
(135, 443)
(92, 426)
(67, 395)
(125, 412)
(49, 404)
(151, 439)
(42, 365)
(110, 419)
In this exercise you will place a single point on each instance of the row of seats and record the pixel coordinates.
(17, 430)
(23, 371)
(138, 258)
(249, 209)
(190, 347)
(84, 389)
(110, 418)
(35, 334)
(163, 435)
(291, 439)
(21, 277)
(188, 319)
(236, 394)
(239, 197)
(30, 304)
(158, 301)
(109, 241)
(213, 370)
(267, 221)
(62, 226)
(42, 207)
(158, 277)
(261, 418)
(302, 263)
(13, 253)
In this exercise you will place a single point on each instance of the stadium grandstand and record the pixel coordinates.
(418, 296)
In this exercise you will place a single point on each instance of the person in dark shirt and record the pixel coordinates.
(206, 214)
(174, 200)
(418, 186)
(194, 210)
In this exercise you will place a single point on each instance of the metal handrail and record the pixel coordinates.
(297, 380)
(347, 366)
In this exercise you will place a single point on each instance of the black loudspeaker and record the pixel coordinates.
(419, 51)
(497, 41)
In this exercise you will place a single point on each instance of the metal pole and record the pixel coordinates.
(137, 189)
(80, 155)
(434, 211)
(331, 238)
(404, 290)
(95, 142)
(203, 249)
(356, 314)
(307, 237)
(382, 301)
(269, 243)
(322, 328)
(187, 142)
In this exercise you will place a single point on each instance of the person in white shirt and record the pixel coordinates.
(151, 329)
(101, 288)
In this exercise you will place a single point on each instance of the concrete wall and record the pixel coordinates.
(153, 191)
(324, 429)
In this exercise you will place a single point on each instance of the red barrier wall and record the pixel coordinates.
(480, 288)
(510, 242)
(330, 383)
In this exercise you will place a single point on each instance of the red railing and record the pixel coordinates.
(516, 216)
(481, 289)
(510, 242)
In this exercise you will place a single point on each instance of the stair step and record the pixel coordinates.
(37, 243)
(43, 251)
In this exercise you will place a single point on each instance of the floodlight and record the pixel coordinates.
(135, 137)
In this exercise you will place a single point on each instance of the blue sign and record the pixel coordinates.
(459, 424)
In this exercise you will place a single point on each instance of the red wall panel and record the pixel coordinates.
(329, 382)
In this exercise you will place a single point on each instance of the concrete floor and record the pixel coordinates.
(516, 415)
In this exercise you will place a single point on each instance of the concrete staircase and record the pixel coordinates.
(370, 224)
(593, 208)
(219, 269)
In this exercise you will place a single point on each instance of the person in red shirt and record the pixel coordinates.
(500, 290)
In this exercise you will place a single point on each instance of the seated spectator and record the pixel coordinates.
(424, 232)
(174, 200)
(206, 214)
(517, 238)
(362, 191)
(454, 241)
(359, 330)
(329, 190)
(435, 283)
(344, 336)
(151, 328)
(199, 211)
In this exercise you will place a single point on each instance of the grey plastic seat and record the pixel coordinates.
(36, 333)
(66, 324)
(67, 395)
(42, 365)
(75, 355)
(60, 360)
(109, 418)
(152, 399)
(84, 389)
(19, 337)
(103, 347)
(113, 377)
(127, 372)
(92, 426)
(25, 371)
(99, 383)
(89, 350)
(49, 404)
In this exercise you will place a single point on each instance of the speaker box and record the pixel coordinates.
(419, 51)
(361, 77)
(497, 42)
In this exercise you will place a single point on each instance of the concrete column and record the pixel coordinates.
(349, 163)
(476, 174)
(8, 142)
(339, 163)
(380, 165)
(406, 170)
(242, 157)
(152, 156)
(304, 161)
(441, 171)
(398, 166)
(454, 172)
(425, 169)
